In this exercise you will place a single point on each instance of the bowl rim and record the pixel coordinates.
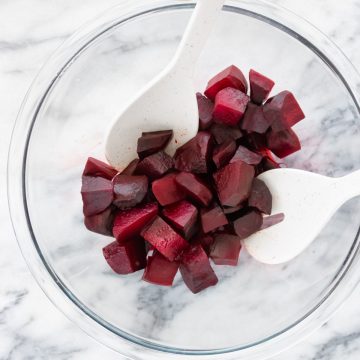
(52, 285)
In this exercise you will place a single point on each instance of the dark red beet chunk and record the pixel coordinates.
(260, 197)
(257, 142)
(272, 220)
(205, 240)
(155, 165)
(254, 120)
(126, 258)
(100, 223)
(129, 223)
(231, 210)
(160, 271)
(152, 142)
(246, 156)
(129, 190)
(268, 162)
(212, 218)
(194, 155)
(223, 153)
(248, 224)
(260, 87)
(164, 239)
(233, 183)
(131, 168)
(283, 143)
(230, 77)
(226, 249)
(97, 194)
(194, 188)
(206, 108)
(230, 106)
(167, 191)
(223, 133)
(182, 216)
(96, 167)
(283, 111)
(196, 270)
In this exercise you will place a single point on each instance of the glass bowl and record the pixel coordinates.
(256, 310)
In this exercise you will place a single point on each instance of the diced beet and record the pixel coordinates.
(194, 155)
(212, 218)
(196, 270)
(233, 183)
(223, 133)
(246, 156)
(226, 249)
(100, 223)
(260, 87)
(167, 191)
(194, 188)
(205, 240)
(248, 224)
(257, 142)
(268, 162)
(231, 210)
(96, 167)
(230, 106)
(160, 271)
(260, 197)
(164, 239)
(206, 108)
(97, 194)
(223, 153)
(254, 120)
(230, 77)
(126, 258)
(155, 165)
(129, 190)
(183, 216)
(131, 168)
(152, 142)
(283, 143)
(283, 111)
(129, 223)
(272, 220)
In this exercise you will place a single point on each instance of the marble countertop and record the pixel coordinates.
(30, 326)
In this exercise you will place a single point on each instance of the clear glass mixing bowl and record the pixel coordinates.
(256, 310)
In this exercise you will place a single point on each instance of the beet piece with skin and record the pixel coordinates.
(155, 165)
(194, 156)
(126, 258)
(97, 194)
(226, 249)
(223, 133)
(254, 120)
(160, 271)
(131, 168)
(260, 197)
(194, 188)
(246, 156)
(260, 87)
(152, 142)
(206, 107)
(223, 153)
(129, 190)
(164, 239)
(212, 218)
(272, 220)
(196, 270)
(248, 224)
(233, 183)
(229, 77)
(283, 143)
(230, 106)
(96, 167)
(129, 223)
(167, 191)
(100, 223)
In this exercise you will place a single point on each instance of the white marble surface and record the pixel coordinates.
(30, 326)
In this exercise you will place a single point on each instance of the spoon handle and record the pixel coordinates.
(350, 185)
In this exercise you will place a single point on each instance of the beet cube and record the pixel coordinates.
(97, 194)
(131, 168)
(152, 142)
(100, 223)
(96, 167)
(246, 156)
(167, 191)
(212, 218)
(254, 120)
(129, 190)
(196, 270)
(230, 106)
(233, 183)
(206, 108)
(155, 165)
(129, 223)
(230, 77)
(194, 155)
(223, 153)
(283, 143)
(223, 133)
(205, 240)
(160, 271)
(260, 197)
(283, 111)
(248, 224)
(126, 258)
(182, 216)
(272, 220)
(226, 249)
(268, 162)
(194, 188)
(260, 87)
